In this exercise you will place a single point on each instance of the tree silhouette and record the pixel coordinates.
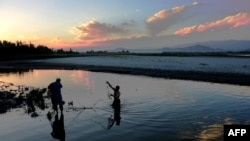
(12, 51)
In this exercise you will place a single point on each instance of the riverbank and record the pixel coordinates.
(208, 69)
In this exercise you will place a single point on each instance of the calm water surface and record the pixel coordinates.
(151, 108)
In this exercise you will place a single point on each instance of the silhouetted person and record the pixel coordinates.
(58, 127)
(56, 96)
(116, 94)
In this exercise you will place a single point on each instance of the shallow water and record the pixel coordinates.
(151, 108)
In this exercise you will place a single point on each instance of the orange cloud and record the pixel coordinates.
(164, 14)
(95, 31)
(164, 19)
(240, 19)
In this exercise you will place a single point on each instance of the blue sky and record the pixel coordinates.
(126, 23)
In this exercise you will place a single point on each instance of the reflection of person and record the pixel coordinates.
(116, 94)
(58, 127)
(117, 111)
(117, 117)
(56, 96)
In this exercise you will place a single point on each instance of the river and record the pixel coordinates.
(151, 108)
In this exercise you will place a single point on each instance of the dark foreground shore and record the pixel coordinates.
(227, 78)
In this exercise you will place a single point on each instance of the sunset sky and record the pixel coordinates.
(137, 24)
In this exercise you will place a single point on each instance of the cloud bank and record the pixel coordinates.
(240, 19)
(94, 30)
(153, 32)
(163, 19)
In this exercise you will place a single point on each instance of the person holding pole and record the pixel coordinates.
(116, 94)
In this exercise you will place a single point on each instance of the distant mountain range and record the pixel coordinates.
(194, 48)
(229, 45)
(211, 46)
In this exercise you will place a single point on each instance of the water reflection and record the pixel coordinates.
(57, 124)
(34, 100)
(81, 77)
(10, 71)
(214, 131)
(116, 118)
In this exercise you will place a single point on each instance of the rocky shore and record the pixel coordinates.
(15, 96)
(214, 77)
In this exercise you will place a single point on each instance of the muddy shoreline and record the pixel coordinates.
(214, 77)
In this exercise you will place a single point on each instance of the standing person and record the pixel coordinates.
(56, 96)
(116, 94)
